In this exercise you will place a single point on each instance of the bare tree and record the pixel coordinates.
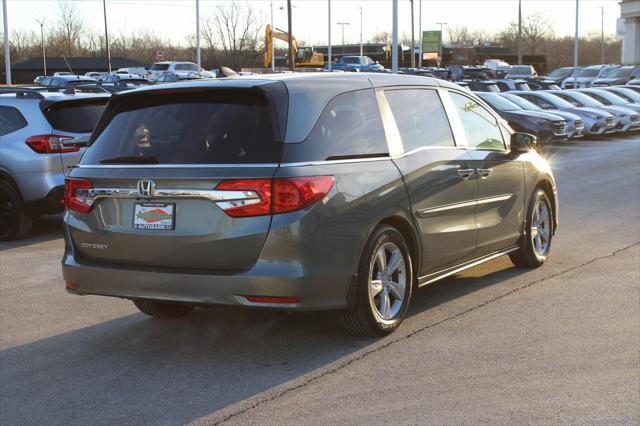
(70, 27)
(238, 29)
(458, 35)
(534, 28)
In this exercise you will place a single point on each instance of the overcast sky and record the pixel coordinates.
(175, 19)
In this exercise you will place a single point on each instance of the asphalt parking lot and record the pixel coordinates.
(496, 344)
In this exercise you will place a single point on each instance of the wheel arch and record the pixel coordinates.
(8, 177)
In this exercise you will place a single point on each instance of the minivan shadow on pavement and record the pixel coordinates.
(45, 228)
(137, 370)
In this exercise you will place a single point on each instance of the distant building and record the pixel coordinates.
(25, 72)
(630, 14)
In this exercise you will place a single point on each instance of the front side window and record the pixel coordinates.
(420, 118)
(480, 126)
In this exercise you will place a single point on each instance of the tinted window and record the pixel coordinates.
(420, 117)
(349, 127)
(10, 120)
(482, 128)
(159, 67)
(75, 117)
(224, 127)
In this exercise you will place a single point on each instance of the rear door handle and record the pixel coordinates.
(465, 173)
(484, 173)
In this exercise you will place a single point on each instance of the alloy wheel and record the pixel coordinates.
(387, 281)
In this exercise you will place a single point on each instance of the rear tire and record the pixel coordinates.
(536, 243)
(380, 296)
(158, 309)
(14, 223)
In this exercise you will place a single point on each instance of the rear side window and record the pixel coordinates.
(225, 127)
(420, 118)
(349, 127)
(10, 120)
(74, 117)
(159, 67)
(481, 127)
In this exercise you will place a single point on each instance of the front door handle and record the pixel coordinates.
(484, 173)
(465, 173)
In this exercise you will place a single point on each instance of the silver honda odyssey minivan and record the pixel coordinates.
(305, 191)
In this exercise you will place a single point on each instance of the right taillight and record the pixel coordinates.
(74, 197)
(275, 196)
(50, 144)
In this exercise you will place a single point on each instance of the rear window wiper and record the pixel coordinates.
(131, 160)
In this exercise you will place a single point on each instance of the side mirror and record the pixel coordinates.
(522, 143)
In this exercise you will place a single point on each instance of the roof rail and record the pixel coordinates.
(22, 92)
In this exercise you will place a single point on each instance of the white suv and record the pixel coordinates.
(175, 67)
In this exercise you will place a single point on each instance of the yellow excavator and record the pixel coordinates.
(304, 56)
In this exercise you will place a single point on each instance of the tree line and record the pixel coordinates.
(233, 36)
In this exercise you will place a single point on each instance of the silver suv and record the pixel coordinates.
(311, 191)
(41, 134)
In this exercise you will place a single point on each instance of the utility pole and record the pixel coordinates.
(575, 50)
(441, 53)
(198, 62)
(413, 40)
(292, 59)
(273, 58)
(106, 34)
(329, 35)
(419, 33)
(519, 32)
(602, 34)
(7, 59)
(44, 56)
(394, 38)
(343, 24)
(361, 46)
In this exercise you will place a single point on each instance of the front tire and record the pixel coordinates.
(536, 242)
(382, 291)
(14, 223)
(159, 309)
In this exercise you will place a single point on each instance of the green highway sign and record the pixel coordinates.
(431, 41)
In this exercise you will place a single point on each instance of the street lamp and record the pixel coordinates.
(44, 56)
(442, 24)
(361, 47)
(343, 24)
(106, 34)
(7, 58)
(413, 39)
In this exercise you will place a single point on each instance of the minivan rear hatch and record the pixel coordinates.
(176, 178)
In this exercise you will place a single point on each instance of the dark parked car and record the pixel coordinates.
(64, 81)
(575, 124)
(319, 191)
(483, 85)
(596, 121)
(559, 74)
(614, 76)
(507, 85)
(470, 73)
(546, 126)
(115, 83)
(174, 78)
(536, 84)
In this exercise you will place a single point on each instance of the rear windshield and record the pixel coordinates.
(520, 70)
(227, 127)
(561, 72)
(159, 67)
(588, 72)
(75, 117)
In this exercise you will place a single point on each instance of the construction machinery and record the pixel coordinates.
(305, 57)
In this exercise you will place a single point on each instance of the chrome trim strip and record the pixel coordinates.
(464, 204)
(212, 194)
(330, 162)
(172, 166)
(433, 277)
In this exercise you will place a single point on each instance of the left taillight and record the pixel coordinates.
(75, 197)
(50, 144)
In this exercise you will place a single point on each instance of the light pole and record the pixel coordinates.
(441, 53)
(575, 50)
(329, 35)
(419, 33)
(519, 32)
(413, 40)
(343, 24)
(44, 56)
(106, 34)
(361, 46)
(198, 62)
(292, 59)
(273, 58)
(602, 34)
(394, 37)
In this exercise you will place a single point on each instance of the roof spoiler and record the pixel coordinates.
(22, 92)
